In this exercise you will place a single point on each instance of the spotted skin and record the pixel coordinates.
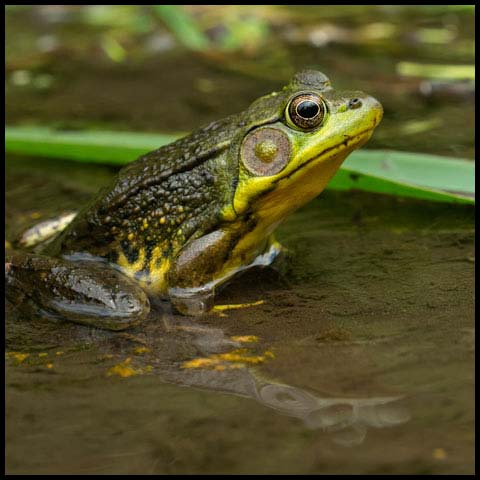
(181, 220)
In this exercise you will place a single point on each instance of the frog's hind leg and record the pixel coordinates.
(87, 292)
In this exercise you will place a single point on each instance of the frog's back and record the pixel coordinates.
(186, 153)
(150, 197)
(177, 178)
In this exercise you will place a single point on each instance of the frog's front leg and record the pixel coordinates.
(87, 292)
(208, 263)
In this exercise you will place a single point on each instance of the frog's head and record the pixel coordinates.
(294, 142)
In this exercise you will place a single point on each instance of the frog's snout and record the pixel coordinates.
(361, 110)
(378, 110)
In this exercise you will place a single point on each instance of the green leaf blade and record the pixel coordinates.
(407, 174)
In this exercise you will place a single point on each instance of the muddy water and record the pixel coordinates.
(356, 355)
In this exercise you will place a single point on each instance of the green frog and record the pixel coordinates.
(182, 220)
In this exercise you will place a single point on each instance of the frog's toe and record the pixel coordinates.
(129, 309)
(117, 311)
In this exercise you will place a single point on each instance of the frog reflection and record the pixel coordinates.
(347, 418)
(231, 365)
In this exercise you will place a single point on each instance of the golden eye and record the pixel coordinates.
(306, 111)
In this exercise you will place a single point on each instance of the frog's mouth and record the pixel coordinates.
(349, 144)
(293, 190)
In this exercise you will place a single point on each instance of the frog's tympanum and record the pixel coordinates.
(182, 220)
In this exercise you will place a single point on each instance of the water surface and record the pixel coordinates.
(359, 359)
(356, 354)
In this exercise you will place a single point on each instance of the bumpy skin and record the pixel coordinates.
(166, 198)
(183, 219)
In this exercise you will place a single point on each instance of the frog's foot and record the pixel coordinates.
(46, 230)
(192, 301)
(87, 292)
(199, 300)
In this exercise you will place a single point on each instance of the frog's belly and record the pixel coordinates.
(203, 265)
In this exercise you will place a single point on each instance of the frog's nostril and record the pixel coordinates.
(354, 103)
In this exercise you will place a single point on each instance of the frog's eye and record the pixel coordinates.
(306, 111)
(265, 151)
